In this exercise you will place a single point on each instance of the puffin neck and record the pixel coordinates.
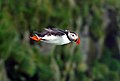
(69, 37)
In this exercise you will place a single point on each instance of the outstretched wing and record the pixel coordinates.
(54, 31)
(51, 31)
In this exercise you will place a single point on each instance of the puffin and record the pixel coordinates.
(56, 36)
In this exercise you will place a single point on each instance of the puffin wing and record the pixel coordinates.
(55, 31)
(51, 31)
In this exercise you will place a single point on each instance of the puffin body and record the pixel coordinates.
(56, 36)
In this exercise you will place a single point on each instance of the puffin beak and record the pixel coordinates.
(77, 41)
(36, 38)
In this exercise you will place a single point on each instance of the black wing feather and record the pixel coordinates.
(55, 31)
(51, 31)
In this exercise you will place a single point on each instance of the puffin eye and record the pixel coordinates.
(73, 35)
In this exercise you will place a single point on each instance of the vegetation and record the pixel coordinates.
(97, 58)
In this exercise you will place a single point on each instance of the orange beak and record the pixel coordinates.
(36, 38)
(78, 41)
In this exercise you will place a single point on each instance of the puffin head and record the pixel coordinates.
(74, 37)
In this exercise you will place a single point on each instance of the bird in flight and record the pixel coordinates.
(56, 36)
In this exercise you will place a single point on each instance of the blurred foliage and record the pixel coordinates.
(23, 60)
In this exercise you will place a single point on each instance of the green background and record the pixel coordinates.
(97, 58)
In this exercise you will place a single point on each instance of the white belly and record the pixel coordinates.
(57, 40)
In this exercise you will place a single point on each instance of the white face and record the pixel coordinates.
(72, 36)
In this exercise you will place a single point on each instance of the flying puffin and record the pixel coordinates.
(56, 36)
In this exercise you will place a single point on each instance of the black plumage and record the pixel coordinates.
(52, 31)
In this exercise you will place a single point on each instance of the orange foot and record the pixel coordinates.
(36, 38)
